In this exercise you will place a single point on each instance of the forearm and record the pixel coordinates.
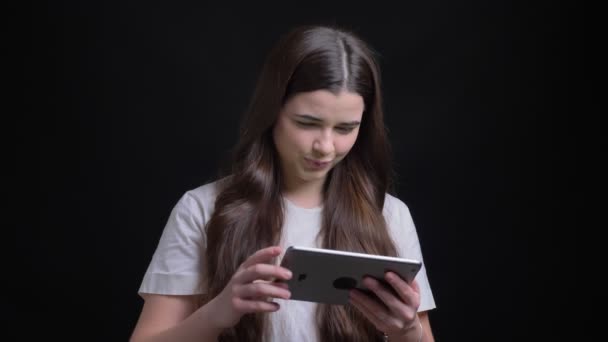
(413, 334)
(196, 327)
(419, 332)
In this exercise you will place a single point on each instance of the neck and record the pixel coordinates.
(304, 194)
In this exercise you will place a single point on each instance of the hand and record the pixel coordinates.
(395, 313)
(250, 289)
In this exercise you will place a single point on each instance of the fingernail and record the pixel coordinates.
(288, 274)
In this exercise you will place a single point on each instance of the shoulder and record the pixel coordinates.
(203, 194)
(395, 210)
(199, 201)
(401, 227)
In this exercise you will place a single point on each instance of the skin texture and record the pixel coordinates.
(313, 132)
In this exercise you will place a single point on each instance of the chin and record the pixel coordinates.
(309, 176)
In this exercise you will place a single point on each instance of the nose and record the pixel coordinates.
(324, 144)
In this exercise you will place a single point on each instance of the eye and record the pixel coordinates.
(344, 130)
(305, 124)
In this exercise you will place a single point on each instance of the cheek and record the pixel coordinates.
(291, 140)
(345, 144)
(303, 139)
(279, 136)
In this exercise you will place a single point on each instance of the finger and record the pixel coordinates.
(392, 301)
(409, 293)
(261, 256)
(415, 286)
(261, 291)
(249, 306)
(277, 282)
(262, 271)
(369, 314)
(375, 308)
(281, 285)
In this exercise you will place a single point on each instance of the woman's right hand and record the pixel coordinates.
(250, 289)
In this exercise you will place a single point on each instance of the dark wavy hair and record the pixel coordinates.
(249, 209)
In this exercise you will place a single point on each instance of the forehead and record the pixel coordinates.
(322, 103)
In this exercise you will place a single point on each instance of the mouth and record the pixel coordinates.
(317, 164)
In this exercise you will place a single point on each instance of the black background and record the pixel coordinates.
(135, 102)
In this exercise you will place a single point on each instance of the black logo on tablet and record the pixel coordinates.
(302, 276)
(345, 283)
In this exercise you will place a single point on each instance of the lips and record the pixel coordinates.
(318, 164)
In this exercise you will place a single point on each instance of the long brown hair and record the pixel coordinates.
(248, 212)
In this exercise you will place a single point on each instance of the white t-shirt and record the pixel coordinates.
(175, 268)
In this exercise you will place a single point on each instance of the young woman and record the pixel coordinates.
(311, 169)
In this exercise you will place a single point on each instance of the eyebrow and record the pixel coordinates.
(315, 119)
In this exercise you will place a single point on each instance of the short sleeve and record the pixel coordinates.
(177, 263)
(404, 234)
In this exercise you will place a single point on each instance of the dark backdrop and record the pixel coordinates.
(136, 102)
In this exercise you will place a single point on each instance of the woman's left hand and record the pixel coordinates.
(395, 313)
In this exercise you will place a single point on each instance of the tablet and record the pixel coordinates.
(326, 276)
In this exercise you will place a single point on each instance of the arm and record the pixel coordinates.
(427, 332)
(414, 334)
(394, 313)
(174, 318)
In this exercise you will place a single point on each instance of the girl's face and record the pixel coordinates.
(314, 131)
